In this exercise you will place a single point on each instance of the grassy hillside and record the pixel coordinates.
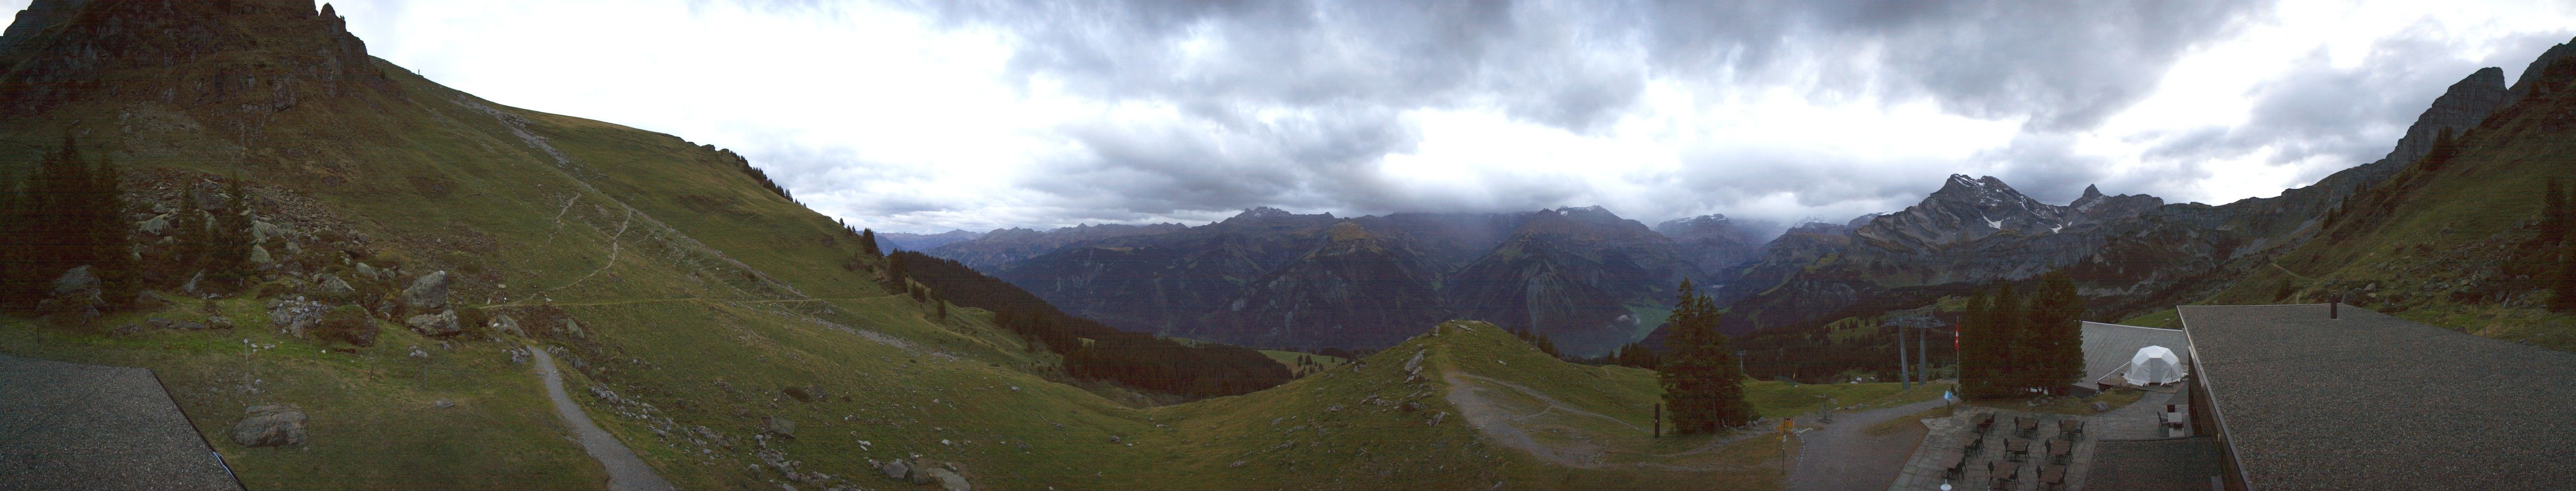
(686, 298)
(2449, 241)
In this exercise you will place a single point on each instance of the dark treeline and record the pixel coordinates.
(66, 213)
(1093, 350)
(2011, 345)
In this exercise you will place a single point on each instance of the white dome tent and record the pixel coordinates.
(2154, 365)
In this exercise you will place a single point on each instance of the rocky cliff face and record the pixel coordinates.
(2530, 79)
(235, 63)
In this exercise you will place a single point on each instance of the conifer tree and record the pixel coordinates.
(2054, 337)
(1702, 386)
(2554, 213)
(188, 233)
(868, 243)
(70, 215)
(228, 244)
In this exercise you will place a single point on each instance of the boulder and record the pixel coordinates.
(2099, 406)
(159, 323)
(439, 324)
(332, 283)
(895, 469)
(778, 427)
(127, 329)
(949, 480)
(191, 286)
(369, 271)
(77, 282)
(270, 426)
(260, 231)
(428, 292)
(921, 472)
(259, 257)
(506, 325)
(218, 322)
(156, 226)
(209, 199)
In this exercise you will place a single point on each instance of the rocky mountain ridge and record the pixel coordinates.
(1268, 277)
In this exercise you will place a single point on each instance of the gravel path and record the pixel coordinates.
(625, 472)
(1843, 455)
(1496, 423)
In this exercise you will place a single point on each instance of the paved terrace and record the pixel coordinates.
(75, 426)
(2377, 402)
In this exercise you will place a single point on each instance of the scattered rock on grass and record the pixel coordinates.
(270, 426)
(440, 324)
(779, 427)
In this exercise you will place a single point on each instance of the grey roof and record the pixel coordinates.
(2109, 346)
(2171, 463)
(76, 426)
(2377, 402)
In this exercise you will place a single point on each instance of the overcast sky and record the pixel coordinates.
(925, 116)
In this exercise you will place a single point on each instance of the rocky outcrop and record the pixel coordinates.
(58, 52)
(440, 324)
(276, 425)
(427, 293)
(2531, 78)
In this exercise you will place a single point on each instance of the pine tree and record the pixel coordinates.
(1702, 386)
(69, 215)
(188, 234)
(868, 243)
(1977, 357)
(111, 255)
(2012, 325)
(228, 244)
(2054, 337)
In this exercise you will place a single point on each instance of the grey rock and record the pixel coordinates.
(77, 282)
(440, 324)
(270, 426)
(295, 316)
(2099, 406)
(921, 473)
(158, 323)
(895, 469)
(333, 284)
(156, 226)
(369, 271)
(443, 404)
(778, 427)
(189, 326)
(218, 322)
(261, 231)
(950, 480)
(191, 286)
(127, 329)
(506, 325)
(259, 257)
(428, 292)
(208, 198)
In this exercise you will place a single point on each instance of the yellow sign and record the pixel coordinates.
(1787, 424)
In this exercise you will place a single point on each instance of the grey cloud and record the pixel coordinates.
(1348, 66)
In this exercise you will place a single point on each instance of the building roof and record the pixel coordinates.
(2107, 347)
(2372, 401)
(76, 426)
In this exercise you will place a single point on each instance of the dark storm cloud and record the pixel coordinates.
(1344, 69)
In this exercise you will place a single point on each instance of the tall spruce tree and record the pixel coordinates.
(2054, 336)
(1981, 348)
(1703, 389)
(189, 233)
(868, 243)
(2554, 213)
(228, 244)
(71, 214)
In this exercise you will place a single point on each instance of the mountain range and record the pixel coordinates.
(1595, 281)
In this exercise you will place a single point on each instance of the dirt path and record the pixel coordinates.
(1495, 422)
(1843, 455)
(625, 472)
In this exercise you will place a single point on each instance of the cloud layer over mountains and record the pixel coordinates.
(923, 116)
